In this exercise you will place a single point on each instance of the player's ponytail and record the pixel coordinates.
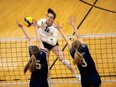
(31, 64)
(78, 58)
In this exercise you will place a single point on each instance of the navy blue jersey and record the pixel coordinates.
(87, 69)
(39, 76)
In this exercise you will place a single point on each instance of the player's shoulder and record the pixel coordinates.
(42, 20)
(72, 51)
(53, 26)
(43, 50)
(84, 45)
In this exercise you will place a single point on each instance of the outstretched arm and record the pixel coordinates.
(37, 34)
(72, 22)
(25, 32)
(63, 35)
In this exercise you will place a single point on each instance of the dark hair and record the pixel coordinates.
(52, 12)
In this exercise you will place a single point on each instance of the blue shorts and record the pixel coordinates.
(93, 80)
(39, 83)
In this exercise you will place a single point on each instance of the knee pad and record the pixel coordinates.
(65, 62)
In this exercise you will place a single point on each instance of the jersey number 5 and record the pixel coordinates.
(38, 65)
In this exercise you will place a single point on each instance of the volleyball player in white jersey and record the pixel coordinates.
(46, 28)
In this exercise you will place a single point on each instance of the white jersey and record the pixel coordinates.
(47, 31)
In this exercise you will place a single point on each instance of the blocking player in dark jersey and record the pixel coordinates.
(82, 58)
(37, 63)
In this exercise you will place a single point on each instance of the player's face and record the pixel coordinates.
(50, 18)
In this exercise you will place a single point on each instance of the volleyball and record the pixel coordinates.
(28, 21)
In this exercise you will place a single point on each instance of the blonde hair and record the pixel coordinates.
(33, 50)
(31, 64)
(76, 45)
(78, 58)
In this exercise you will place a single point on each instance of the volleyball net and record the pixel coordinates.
(14, 56)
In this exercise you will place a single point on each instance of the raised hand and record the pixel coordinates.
(56, 25)
(35, 23)
(72, 20)
(19, 24)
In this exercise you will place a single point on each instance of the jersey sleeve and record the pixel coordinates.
(72, 52)
(84, 47)
(42, 53)
(39, 22)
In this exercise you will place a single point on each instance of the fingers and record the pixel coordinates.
(57, 25)
(34, 22)
(62, 25)
(19, 24)
(71, 20)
